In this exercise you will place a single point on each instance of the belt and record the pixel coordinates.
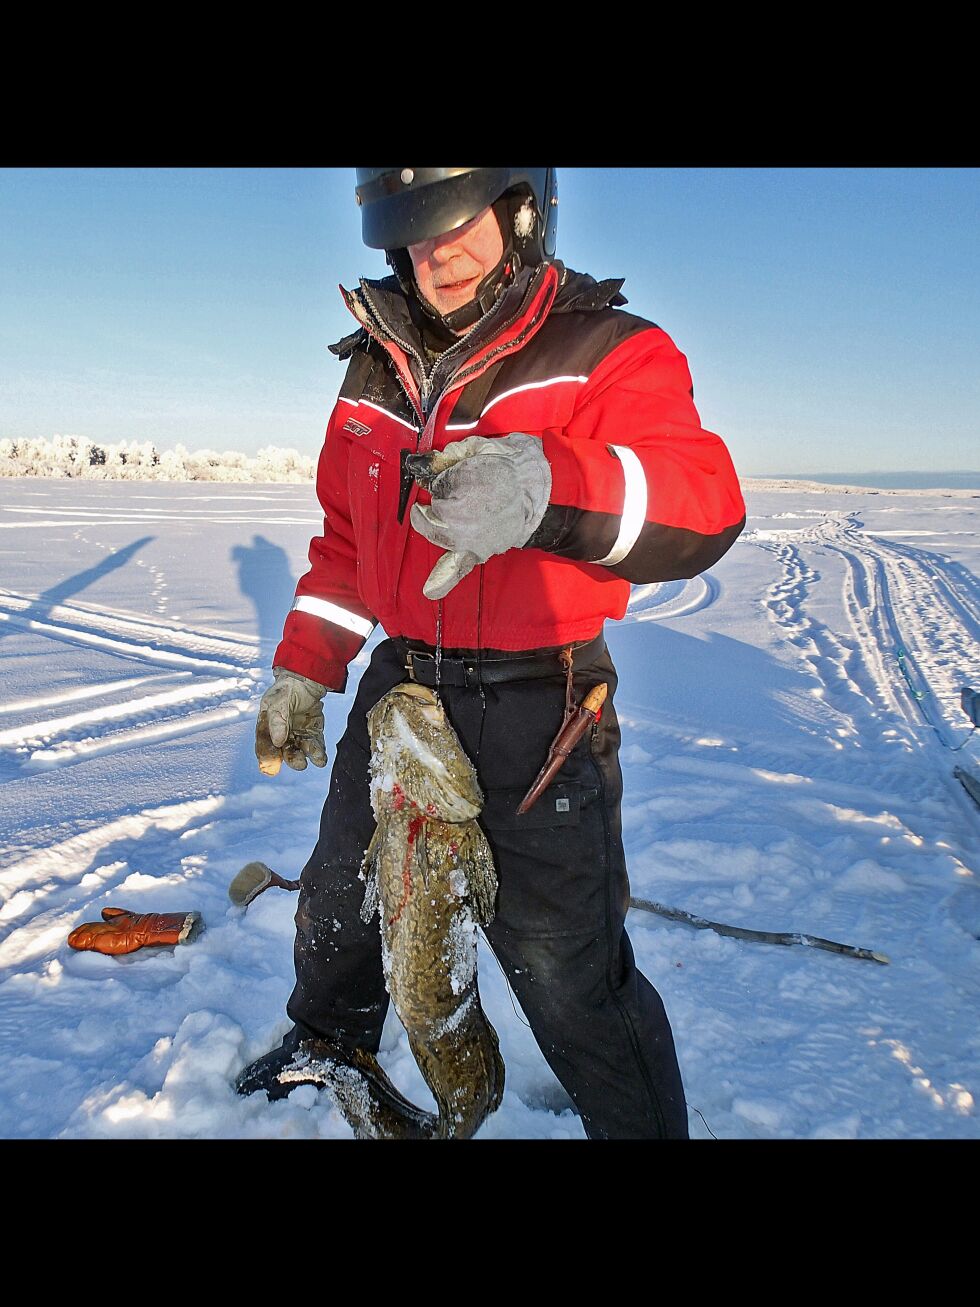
(470, 672)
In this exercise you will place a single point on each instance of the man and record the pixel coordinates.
(508, 452)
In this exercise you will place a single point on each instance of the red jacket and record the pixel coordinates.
(640, 491)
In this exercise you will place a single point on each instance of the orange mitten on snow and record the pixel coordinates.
(122, 931)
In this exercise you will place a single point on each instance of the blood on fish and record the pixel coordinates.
(414, 826)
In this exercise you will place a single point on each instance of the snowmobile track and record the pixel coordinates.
(660, 600)
(914, 619)
(190, 656)
(131, 635)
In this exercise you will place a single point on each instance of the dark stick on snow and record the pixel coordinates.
(760, 936)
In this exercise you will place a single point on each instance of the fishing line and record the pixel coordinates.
(438, 648)
(701, 1115)
(510, 991)
(479, 662)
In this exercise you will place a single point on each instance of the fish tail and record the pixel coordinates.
(463, 1068)
(369, 1102)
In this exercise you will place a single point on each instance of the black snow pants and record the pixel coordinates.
(558, 931)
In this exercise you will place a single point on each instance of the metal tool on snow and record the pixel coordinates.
(759, 936)
(252, 880)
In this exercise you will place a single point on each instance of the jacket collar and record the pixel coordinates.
(383, 311)
(383, 303)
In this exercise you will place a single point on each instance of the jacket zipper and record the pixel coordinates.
(461, 377)
(379, 329)
(370, 320)
(455, 383)
(460, 345)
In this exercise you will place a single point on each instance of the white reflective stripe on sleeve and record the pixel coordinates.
(332, 613)
(634, 505)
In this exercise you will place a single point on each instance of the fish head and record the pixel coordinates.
(417, 760)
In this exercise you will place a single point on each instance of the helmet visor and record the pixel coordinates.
(402, 206)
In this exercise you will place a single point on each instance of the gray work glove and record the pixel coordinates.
(290, 723)
(489, 495)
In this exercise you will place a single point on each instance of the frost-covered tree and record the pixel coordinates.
(78, 456)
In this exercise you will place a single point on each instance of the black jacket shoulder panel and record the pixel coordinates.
(584, 325)
(566, 345)
(579, 291)
(345, 347)
(573, 344)
(358, 371)
(370, 377)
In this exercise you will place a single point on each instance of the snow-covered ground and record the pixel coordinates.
(782, 773)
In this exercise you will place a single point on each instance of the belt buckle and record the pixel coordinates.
(413, 656)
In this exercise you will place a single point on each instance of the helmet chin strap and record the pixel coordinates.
(461, 319)
(467, 315)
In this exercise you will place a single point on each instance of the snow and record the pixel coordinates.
(781, 774)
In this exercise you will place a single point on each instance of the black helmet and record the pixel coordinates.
(402, 206)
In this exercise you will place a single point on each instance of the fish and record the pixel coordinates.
(430, 876)
(429, 873)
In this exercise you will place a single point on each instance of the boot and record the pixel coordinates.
(261, 1075)
(358, 1086)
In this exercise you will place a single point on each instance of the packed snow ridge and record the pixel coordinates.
(770, 485)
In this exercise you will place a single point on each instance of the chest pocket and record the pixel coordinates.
(373, 477)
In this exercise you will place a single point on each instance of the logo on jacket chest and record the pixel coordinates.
(356, 428)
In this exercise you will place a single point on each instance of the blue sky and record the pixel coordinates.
(831, 317)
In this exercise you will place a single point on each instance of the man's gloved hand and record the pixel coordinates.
(489, 495)
(290, 723)
(122, 931)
